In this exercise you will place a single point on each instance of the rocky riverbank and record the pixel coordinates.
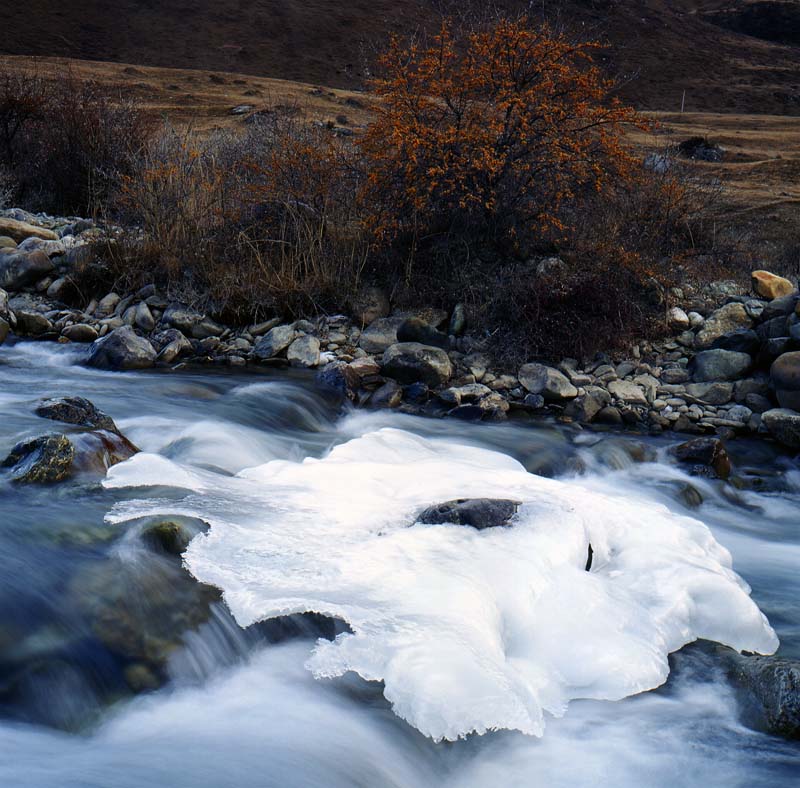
(731, 365)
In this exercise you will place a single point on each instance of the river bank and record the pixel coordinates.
(729, 364)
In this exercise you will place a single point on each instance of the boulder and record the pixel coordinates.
(707, 456)
(553, 385)
(107, 304)
(714, 393)
(415, 330)
(585, 408)
(274, 342)
(478, 513)
(75, 410)
(774, 328)
(174, 348)
(380, 334)
(21, 269)
(121, 349)
(716, 364)
(303, 352)
(339, 378)
(628, 392)
(773, 684)
(31, 323)
(770, 286)
(780, 307)
(678, 319)
(743, 340)
(409, 362)
(80, 332)
(19, 231)
(784, 425)
(785, 376)
(143, 318)
(389, 395)
(41, 460)
(724, 320)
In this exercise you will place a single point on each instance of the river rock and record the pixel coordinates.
(380, 334)
(143, 318)
(167, 536)
(31, 323)
(80, 332)
(743, 340)
(75, 410)
(7, 243)
(716, 364)
(274, 342)
(628, 392)
(724, 320)
(678, 319)
(774, 684)
(478, 513)
(389, 395)
(416, 330)
(409, 362)
(770, 286)
(41, 460)
(122, 349)
(21, 269)
(780, 307)
(458, 320)
(340, 378)
(303, 352)
(4, 330)
(584, 408)
(553, 385)
(707, 456)
(785, 376)
(19, 231)
(784, 425)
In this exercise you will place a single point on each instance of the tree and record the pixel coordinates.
(486, 135)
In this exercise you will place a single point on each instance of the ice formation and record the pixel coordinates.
(470, 631)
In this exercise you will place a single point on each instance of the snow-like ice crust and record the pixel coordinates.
(470, 631)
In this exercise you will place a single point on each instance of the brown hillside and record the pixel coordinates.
(703, 48)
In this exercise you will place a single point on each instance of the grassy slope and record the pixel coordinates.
(670, 44)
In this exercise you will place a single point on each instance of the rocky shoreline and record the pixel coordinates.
(731, 366)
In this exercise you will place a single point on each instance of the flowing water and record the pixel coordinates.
(298, 505)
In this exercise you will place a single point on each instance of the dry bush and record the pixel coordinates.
(251, 223)
(66, 143)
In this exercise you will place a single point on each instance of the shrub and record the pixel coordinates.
(488, 136)
(66, 143)
(252, 223)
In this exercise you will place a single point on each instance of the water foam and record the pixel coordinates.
(470, 631)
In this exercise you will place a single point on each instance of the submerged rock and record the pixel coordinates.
(479, 513)
(168, 536)
(773, 685)
(707, 456)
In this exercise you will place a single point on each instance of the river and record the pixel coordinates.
(309, 507)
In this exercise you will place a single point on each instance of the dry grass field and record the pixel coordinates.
(759, 175)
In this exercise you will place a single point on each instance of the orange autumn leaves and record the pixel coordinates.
(493, 132)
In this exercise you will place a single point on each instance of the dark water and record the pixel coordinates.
(89, 608)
